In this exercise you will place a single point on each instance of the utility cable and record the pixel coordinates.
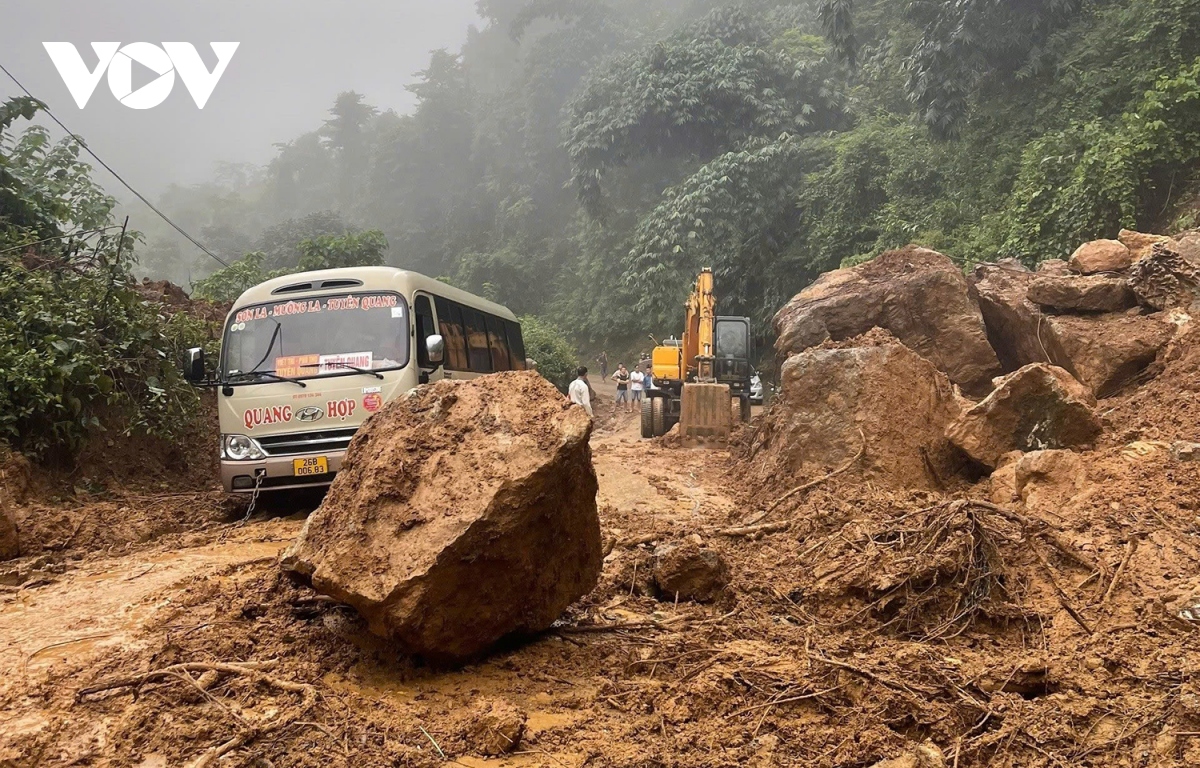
(108, 168)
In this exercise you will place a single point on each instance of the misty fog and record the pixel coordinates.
(295, 57)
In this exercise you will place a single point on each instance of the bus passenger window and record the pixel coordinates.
(450, 323)
(498, 344)
(425, 328)
(478, 351)
(516, 344)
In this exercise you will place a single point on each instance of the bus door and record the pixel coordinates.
(425, 325)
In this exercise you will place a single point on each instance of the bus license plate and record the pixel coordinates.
(314, 465)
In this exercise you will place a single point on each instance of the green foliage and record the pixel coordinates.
(709, 87)
(769, 139)
(1092, 178)
(548, 346)
(225, 285)
(80, 350)
(353, 249)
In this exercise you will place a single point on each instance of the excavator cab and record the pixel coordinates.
(732, 352)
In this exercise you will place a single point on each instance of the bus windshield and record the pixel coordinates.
(321, 336)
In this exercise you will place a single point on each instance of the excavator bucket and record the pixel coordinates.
(705, 413)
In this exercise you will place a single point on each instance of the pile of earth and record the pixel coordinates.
(1074, 330)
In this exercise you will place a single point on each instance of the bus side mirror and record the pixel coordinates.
(193, 371)
(435, 345)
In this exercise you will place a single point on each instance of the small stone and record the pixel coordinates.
(689, 571)
(1184, 451)
(496, 728)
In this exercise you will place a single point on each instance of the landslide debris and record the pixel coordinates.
(869, 394)
(919, 295)
(465, 511)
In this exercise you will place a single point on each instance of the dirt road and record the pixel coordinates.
(104, 611)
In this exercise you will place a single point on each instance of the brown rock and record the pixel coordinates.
(1166, 280)
(1003, 485)
(1187, 245)
(1140, 244)
(1105, 352)
(919, 295)
(689, 571)
(1047, 480)
(1036, 408)
(901, 403)
(1015, 325)
(495, 728)
(1051, 267)
(1186, 451)
(465, 511)
(1082, 293)
(1101, 256)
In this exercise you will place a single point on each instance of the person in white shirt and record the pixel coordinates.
(580, 391)
(637, 384)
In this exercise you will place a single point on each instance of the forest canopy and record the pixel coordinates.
(580, 160)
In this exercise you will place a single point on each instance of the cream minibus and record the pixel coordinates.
(306, 358)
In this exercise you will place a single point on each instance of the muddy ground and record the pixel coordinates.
(859, 625)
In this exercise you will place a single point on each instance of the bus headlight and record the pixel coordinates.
(241, 448)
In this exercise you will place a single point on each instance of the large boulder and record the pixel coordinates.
(1166, 280)
(873, 396)
(465, 511)
(1037, 408)
(1082, 293)
(919, 295)
(1106, 352)
(1014, 324)
(1102, 350)
(1101, 256)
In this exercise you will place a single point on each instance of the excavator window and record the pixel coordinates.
(732, 339)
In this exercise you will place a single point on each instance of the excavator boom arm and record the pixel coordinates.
(699, 322)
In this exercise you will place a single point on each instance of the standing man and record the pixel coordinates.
(603, 361)
(580, 390)
(621, 376)
(637, 382)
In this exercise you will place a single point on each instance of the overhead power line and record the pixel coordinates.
(116, 175)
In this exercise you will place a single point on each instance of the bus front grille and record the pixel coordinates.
(326, 441)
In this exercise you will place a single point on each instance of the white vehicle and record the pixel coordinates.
(307, 358)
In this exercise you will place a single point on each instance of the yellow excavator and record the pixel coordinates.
(701, 380)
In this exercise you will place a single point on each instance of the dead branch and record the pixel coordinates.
(752, 530)
(1130, 548)
(813, 484)
(253, 669)
(634, 541)
(1062, 596)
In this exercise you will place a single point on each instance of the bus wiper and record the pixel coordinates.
(348, 367)
(271, 375)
